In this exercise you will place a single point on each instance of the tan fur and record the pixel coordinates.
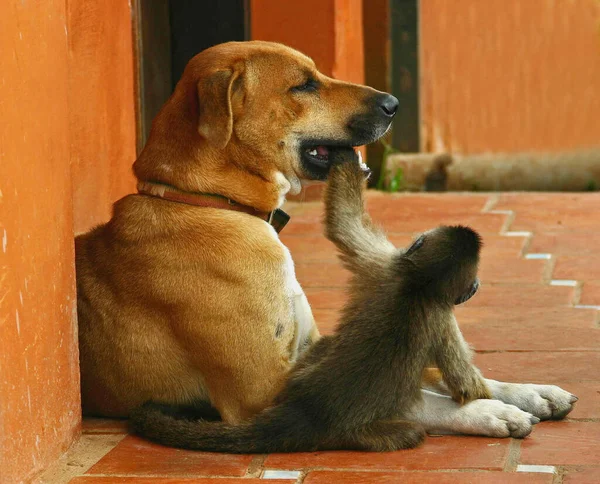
(181, 304)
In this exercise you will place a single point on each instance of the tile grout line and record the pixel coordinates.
(514, 454)
(255, 468)
(549, 266)
(559, 475)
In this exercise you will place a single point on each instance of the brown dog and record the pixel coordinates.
(190, 303)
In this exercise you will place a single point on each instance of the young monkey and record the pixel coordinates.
(352, 390)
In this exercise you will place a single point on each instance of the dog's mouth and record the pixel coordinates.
(469, 294)
(315, 158)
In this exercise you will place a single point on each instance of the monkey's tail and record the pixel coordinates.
(278, 429)
(347, 223)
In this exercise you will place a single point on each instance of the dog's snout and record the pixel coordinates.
(388, 104)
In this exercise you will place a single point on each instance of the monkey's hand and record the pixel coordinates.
(468, 386)
(346, 155)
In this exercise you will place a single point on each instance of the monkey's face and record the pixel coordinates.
(442, 264)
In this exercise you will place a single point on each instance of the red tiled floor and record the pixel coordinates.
(527, 317)
(563, 443)
(436, 453)
(524, 330)
(522, 295)
(540, 366)
(578, 267)
(548, 202)
(340, 477)
(588, 406)
(140, 457)
(554, 221)
(510, 269)
(524, 338)
(575, 243)
(590, 293)
(322, 274)
(582, 476)
(167, 480)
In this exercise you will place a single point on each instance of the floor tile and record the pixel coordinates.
(578, 267)
(530, 317)
(588, 405)
(139, 457)
(553, 202)
(510, 269)
(563, 443)
(590, 293)
(563, 243)
(512, 337)
(326, 298)
(582, 476)
(340, 477)
(559, 221)
(322, 274)
(540, 367)
(436, 453)
(522, 295)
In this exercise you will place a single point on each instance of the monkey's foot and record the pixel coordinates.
(543, 401)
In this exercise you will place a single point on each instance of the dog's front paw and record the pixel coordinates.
(543, 401)
(492, 418)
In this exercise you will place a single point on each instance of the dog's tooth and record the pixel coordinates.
(312, 152)
(360, 158)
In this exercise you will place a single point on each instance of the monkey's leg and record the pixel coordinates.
(315, 353)
(381, 436)
(453, 356)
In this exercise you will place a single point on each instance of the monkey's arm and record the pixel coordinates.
(347, 224)
(453, 357)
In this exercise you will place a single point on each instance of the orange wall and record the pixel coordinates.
(510, 75)
(66, 98)
(102, 114)
(39, 375)
(329, 31)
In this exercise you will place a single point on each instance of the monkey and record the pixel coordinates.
(352, 390)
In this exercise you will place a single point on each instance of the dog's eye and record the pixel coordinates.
(309, 86)
(417, 244)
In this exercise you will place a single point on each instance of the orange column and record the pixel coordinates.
(39, 376)
(329, 31)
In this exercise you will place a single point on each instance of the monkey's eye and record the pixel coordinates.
(417, 244)
(310, 85)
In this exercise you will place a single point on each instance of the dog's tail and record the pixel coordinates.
(347, 224)
(278, 429)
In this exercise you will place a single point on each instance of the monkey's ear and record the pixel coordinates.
(215, 120)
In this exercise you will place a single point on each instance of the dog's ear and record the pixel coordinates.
(215, 92)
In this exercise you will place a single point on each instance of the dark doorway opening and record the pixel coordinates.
(168, 33)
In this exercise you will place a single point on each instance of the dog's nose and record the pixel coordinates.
(388, 104)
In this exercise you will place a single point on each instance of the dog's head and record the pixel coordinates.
(442, 264)
(263, 112)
